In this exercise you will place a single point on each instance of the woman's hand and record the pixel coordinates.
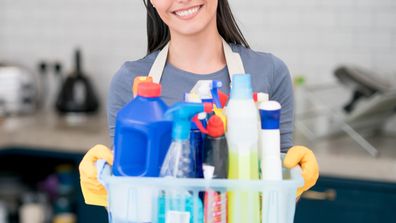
(93, 191)
(300, 155)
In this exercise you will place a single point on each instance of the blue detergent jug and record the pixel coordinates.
(142, 135)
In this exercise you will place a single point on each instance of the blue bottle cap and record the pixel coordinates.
(241, 87)
(270, 112)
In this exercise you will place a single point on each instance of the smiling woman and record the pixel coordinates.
(189, 41)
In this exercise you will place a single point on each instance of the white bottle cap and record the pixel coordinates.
(262, 97)
(270, 106)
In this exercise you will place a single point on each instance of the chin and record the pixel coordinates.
(190, 30)
(193, 27)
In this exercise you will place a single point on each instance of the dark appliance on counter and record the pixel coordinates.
(77, 94)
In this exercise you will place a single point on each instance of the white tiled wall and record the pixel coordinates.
(311, 36)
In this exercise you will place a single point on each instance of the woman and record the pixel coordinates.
(191, 40)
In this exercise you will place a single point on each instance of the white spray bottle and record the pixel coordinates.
(207, 91)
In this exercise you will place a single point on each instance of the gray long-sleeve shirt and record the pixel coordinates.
(269, 75)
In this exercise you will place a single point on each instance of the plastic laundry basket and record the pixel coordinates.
(137, 199)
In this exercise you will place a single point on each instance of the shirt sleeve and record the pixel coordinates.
(120, 93)
(281, 90)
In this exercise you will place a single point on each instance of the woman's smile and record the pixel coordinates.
(188, 13)
(187, 17)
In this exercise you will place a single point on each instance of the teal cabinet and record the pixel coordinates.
(33, 165)
(335, 200)
(344, 200)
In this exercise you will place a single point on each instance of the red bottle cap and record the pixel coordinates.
(215, 126)
(149, 90)
(208, 107)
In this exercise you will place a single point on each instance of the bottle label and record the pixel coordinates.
(215, 207)
(177, 217)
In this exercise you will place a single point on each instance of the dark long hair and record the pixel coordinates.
(158, 34)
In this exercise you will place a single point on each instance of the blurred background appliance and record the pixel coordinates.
(19, 90)
(371, 105)
(373, 99)
(77, 94)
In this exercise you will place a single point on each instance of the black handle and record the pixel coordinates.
(77, 57)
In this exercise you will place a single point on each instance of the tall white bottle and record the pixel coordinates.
(242, 138)
(271, 164)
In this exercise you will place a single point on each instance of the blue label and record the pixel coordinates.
(270, 119)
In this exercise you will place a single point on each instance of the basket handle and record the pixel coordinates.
(296, 172)
(104, 172)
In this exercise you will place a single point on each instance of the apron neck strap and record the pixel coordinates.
(233, 60)
(159, 64)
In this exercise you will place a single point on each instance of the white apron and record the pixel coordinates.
(233, 60)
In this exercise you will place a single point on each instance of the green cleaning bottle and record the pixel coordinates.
(242, 137)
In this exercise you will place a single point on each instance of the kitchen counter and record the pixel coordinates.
(343, 157)
(49, 131)
(339, 157)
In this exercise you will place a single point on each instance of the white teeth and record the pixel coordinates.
(187, 12)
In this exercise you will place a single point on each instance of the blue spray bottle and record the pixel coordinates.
(204, 91)
(179, 163)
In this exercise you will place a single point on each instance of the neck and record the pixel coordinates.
(200, 53)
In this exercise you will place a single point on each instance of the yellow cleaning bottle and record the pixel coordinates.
(242, 137)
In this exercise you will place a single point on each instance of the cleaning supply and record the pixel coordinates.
(179, 163)
(138, 80)
(300, 155)
(216, 148)
(223, 97)
(196, 136)
(215, 167)
(271, 164)
(142, 138)
(142, 135)
(207, 90)
(270, 157)
(259, 97)
(196, 145)
(242, 138)
(179, 207)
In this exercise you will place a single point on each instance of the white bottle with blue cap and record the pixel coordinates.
(271, 164)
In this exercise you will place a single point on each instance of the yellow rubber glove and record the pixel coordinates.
(93, 191)
(300, 155)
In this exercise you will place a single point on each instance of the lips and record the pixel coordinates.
(188, 12)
